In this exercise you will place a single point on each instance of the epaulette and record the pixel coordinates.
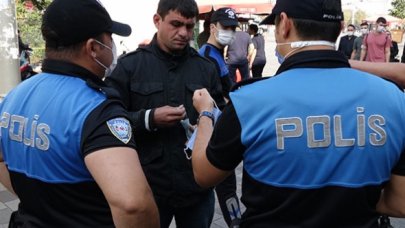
(247, 82)
(194, 52)
(131, 52)
(110, 92)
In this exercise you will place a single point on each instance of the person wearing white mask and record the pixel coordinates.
(321, 143)
(346, 42)
(377, 44)
(222, 33)
(359, 41)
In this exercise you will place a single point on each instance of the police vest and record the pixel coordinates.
(311, 128)
(41, 136)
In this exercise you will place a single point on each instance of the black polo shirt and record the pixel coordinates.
(54, 185)
(278, 206)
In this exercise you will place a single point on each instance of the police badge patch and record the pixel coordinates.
(121, 128)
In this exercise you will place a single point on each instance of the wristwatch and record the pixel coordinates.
(207, 114)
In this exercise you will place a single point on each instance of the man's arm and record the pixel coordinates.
(205, 174)
(363, 53)
(353, 55)
(391, 71)
(392, 200)
(119, 174)
(143, 120)
(251, 48)
(403, 55)
(252, 58)
(387, 54)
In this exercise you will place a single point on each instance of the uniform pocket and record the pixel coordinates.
(147, 95)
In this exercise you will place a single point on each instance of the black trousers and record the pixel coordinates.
(229, 201)
(257, 70)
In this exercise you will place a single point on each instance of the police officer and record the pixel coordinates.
(65, 137)
(222, 32)
(318, 145)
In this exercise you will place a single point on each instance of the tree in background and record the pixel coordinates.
(355, 19)
(29, 19)
(398, 9)
(359, 16)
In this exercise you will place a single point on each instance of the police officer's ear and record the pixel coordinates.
(285, 26)
(91, 47)
(213, 28)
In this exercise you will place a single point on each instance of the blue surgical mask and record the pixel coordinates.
(280, 58)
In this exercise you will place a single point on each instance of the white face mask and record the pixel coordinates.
(364, 31)
(301, 44)
(110, 69)
(225, 37)
(380, 28)
(350, 33)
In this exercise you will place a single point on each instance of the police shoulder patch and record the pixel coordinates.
(121, 129)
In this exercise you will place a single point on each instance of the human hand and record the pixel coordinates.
(202, 101)
(168, 116)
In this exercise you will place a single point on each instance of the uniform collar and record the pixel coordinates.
(314, 59)
(68, 69)
(72, 70)
(215, 47)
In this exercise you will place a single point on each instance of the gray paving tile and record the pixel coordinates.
(2, 206)
(219, 223)
(6, 196)
(13, 205)
(214, 225)
(5, 216)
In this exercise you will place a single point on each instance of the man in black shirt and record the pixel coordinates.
(157, 83)
(347, 41)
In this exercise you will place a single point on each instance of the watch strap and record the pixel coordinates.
(207, 114)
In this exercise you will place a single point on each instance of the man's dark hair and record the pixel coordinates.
(364, 24)
(352, 25)
(254, 28)
(187, 8)
(382, 20)
(318, 30)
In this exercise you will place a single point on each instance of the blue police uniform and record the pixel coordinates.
(318, 142)
(226, 190)
(216, 56)
(48, 124)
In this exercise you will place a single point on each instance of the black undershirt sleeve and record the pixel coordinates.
(225, 149)
(399, 168)
(96, 134)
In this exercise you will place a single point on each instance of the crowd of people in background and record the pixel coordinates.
(374, 44)
(98, 140)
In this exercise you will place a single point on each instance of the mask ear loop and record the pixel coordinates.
(215, 104)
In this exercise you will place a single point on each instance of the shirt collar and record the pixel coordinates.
(73, 70)
(67, 68)
(314, 59)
